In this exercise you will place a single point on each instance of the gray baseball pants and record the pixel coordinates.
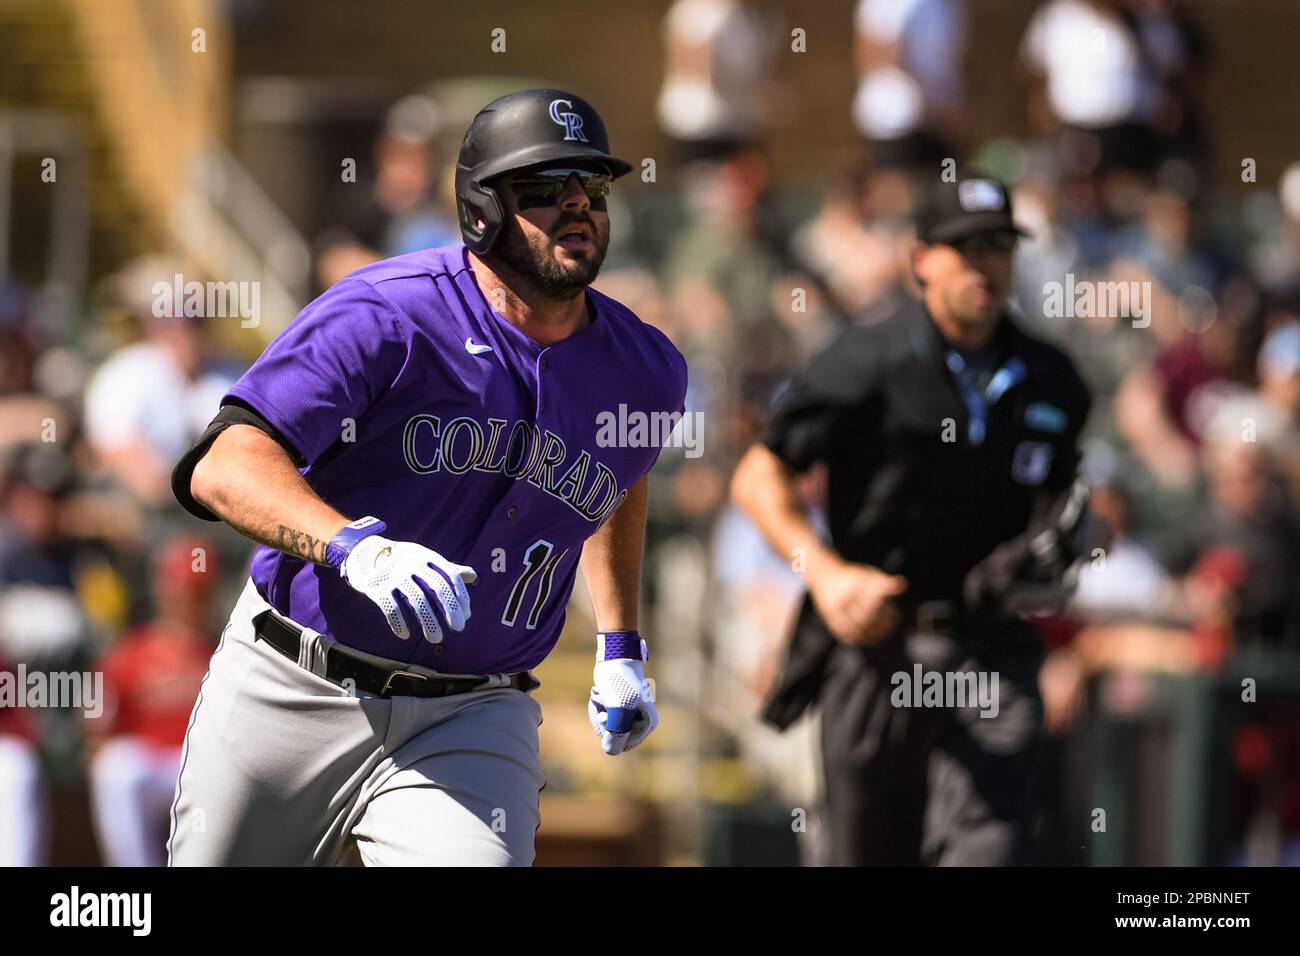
(283, 768)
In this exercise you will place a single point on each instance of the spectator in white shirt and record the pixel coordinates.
(150, 400)
(909, 56)
(1118, 77)
(719, 57)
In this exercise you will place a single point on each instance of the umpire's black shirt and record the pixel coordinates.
(934, 457)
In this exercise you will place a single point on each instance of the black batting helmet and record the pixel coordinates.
(518, 131)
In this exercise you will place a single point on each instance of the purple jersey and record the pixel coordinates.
(413, 400)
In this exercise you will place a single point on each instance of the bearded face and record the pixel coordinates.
(556, 250)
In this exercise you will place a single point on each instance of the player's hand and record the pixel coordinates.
(855, 600)
(621, 708)
(382, 569)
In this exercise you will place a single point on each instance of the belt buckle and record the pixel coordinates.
(388, 681)
(935, 617)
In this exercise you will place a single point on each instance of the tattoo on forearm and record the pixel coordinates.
(301, 544)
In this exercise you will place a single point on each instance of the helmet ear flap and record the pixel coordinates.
(481, 202)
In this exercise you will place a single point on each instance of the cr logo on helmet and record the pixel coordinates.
(571, 121)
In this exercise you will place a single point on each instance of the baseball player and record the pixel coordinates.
(419, 459)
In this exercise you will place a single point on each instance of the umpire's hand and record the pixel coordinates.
(855, 600)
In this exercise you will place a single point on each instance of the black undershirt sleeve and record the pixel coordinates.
(810, 415)
(233, 412)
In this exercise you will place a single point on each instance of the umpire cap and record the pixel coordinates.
(517, 131)
(952, 211)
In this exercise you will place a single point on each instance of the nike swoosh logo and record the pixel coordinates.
(473, 349)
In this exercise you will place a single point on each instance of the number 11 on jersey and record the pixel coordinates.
(539, 562)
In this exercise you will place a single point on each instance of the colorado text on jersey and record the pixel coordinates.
(462, 446)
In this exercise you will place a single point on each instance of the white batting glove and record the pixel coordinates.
(380, 568)
(621, 707)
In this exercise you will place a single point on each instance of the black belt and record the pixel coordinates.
(374, 679)
(945, 618)
(953, 619)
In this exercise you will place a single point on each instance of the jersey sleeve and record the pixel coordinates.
(331, 363)
(811, 413)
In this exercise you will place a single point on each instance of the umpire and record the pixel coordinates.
(950, 439)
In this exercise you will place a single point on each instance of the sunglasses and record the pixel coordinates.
(541, 188)
(1002, 242)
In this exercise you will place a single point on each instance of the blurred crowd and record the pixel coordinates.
(1193, 448)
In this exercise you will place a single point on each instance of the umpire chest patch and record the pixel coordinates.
(1046, 417)
(1031, 462)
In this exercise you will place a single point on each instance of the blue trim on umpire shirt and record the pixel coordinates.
(977, 405)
